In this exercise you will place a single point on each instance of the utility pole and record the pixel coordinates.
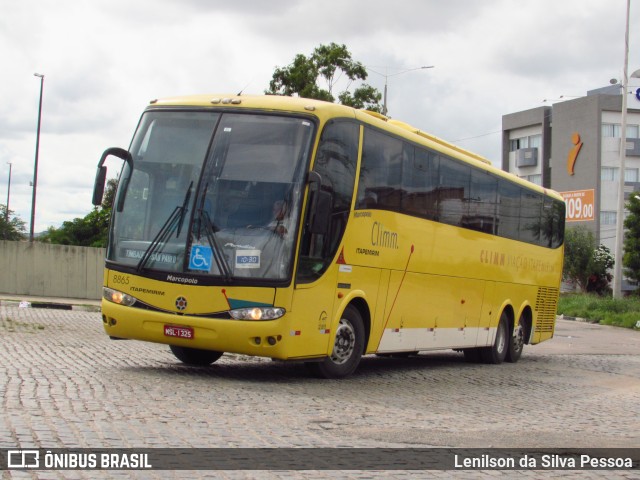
(618, 254)
(6, 212)
(35, 168)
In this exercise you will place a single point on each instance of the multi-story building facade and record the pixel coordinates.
(573, 147)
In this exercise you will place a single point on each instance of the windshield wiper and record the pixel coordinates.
(161, 238)
(173, 223)
(218, 254)
(184, 209)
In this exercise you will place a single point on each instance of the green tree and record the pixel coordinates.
(631, 258)
(110, 194)
(329, 63)
(585, 264)
(89, 231)
(11, 226)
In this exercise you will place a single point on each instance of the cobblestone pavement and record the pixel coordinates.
(63, 383)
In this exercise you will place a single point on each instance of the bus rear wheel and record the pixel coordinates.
(195, 356)
(498, 351)
(347, 348)
(516, 344)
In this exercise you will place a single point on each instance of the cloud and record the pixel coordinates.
(104, 61)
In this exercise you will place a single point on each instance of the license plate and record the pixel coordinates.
(178, 332)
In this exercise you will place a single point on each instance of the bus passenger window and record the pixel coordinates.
(381, 172)
(453, 192)
(420, 183)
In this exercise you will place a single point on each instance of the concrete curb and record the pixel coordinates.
(575, 319)
(53, 305)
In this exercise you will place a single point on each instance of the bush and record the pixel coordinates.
(585, 264)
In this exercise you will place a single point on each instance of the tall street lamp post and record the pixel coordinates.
(618, 253)
(386, 77)
(6, 212)
(35, 168)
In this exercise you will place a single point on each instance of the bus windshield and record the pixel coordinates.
(212, 194)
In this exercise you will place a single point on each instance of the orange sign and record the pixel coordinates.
(573, 153)
(580, 205)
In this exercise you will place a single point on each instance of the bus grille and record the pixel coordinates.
(546, 306)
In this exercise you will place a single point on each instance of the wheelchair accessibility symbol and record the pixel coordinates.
(200, 258)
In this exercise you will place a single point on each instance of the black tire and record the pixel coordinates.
(497, 353)
(347, 349)
(516, 343)
(195, 356)
(472, 355)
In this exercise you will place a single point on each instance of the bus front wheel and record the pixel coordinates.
(195, 356)
(347, 348)
(498, 351)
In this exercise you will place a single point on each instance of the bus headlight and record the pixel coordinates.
(257, 313)
(117, 297)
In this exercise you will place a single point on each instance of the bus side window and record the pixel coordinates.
(420, 183)
(336, 164)
(508, 217)
(453, 191)
(381, 172)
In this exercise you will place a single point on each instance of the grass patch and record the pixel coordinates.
(604, 310)
(10, 325)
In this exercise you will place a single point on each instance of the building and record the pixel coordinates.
(573, 147)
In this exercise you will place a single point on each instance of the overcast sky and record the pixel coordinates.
(103, 60)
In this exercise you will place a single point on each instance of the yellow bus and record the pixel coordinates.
(307, 231)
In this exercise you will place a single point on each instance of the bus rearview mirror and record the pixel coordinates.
(101, 174)
(98, 187)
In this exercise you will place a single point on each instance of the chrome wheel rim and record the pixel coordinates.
(501, 342)
(345, 342)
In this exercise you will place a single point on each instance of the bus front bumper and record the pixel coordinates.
(266, 338)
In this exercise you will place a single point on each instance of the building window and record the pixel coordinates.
(607, 217)
(537, 179)
(613, 130)
(609, 174)
(532, 141)
(517, 144)
(631, 175)
(535, 141)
